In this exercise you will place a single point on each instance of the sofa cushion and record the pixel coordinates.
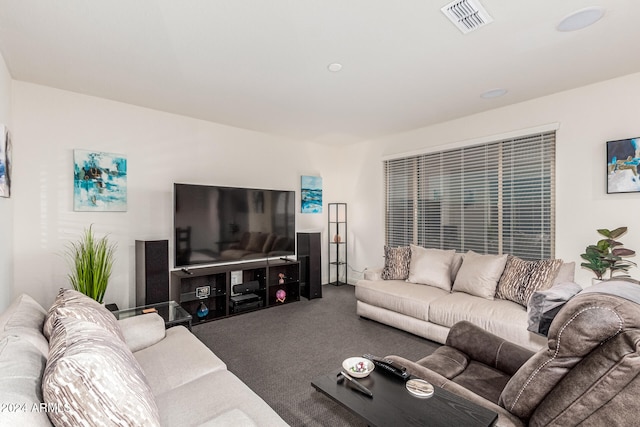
(431, 267)
(94, 376)
(25, 318)
(399, 296)
(217, 394)
(142, 331)
(396, 263)
(479, 274)
(522, 278)
(495, 316)
(159, 360)
(24, 312)
(21, 368)
(231, 418)
(73, 304)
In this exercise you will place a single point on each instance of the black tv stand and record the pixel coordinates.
(262, 286)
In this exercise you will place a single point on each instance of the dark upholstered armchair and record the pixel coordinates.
(588, 374)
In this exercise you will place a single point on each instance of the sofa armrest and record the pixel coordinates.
(372, 274)
(487, 348)
(505, 418)
(142, 331)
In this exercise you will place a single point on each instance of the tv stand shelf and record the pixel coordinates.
(211, 287)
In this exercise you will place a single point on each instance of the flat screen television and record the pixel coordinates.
(215, 224)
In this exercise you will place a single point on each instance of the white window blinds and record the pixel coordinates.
(491, 198)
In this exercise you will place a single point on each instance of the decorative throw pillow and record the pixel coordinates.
(431, 267)
(74, 304)
(396, 263)
(544, 305)
(522, 278)
(94, 379)
(566, 273)
(479, 274)
(25, 318)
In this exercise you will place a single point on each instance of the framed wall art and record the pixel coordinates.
(623, 160)
(5, 162)
(310, 194)
(99, 181)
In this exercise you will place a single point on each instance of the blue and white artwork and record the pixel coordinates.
(623, 158)
(5, 162)
(311, 194)
(99, 181)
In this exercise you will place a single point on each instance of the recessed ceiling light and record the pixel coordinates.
(335, 67)
(581, 19)
(493, 93)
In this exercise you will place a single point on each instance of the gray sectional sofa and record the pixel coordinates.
(426, 291)
(75, 364)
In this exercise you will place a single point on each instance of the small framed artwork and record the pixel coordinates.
(623, 160)
(5, 162)
(310, 194)
(99, 181)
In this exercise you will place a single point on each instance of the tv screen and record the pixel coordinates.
(216, 224)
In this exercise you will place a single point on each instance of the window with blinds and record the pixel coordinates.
(492, 198)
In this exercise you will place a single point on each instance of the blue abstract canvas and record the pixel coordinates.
(311, 194)
(5, 162)
(99, 181)
(623, 159)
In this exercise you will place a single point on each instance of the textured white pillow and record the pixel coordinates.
(431, 267)
(479, 274)
(72, 304)
(94, 379)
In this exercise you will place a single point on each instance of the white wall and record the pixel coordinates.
(588, 117)
(6, 204)
(161, 149)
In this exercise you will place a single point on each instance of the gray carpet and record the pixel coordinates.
(278, 351)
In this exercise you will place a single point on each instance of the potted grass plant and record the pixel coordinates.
(607, 254)
(91, 260)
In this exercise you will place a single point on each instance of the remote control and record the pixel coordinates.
(388, 366)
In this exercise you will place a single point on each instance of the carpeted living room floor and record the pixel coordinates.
(278, 351)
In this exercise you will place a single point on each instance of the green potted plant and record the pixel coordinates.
(91, 261)
(607, 254)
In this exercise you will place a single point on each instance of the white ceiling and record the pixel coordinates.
(262, 64)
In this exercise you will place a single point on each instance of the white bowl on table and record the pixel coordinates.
(358, 367)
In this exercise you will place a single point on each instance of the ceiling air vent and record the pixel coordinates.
(467, 15)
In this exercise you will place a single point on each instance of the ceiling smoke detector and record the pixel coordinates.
(467, 15)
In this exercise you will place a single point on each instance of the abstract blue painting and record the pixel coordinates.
(5, 162)
(311, 194)
(623, 159)
(99, 181)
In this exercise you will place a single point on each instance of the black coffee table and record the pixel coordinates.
(392, 405)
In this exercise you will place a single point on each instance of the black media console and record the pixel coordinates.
(227, 290)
